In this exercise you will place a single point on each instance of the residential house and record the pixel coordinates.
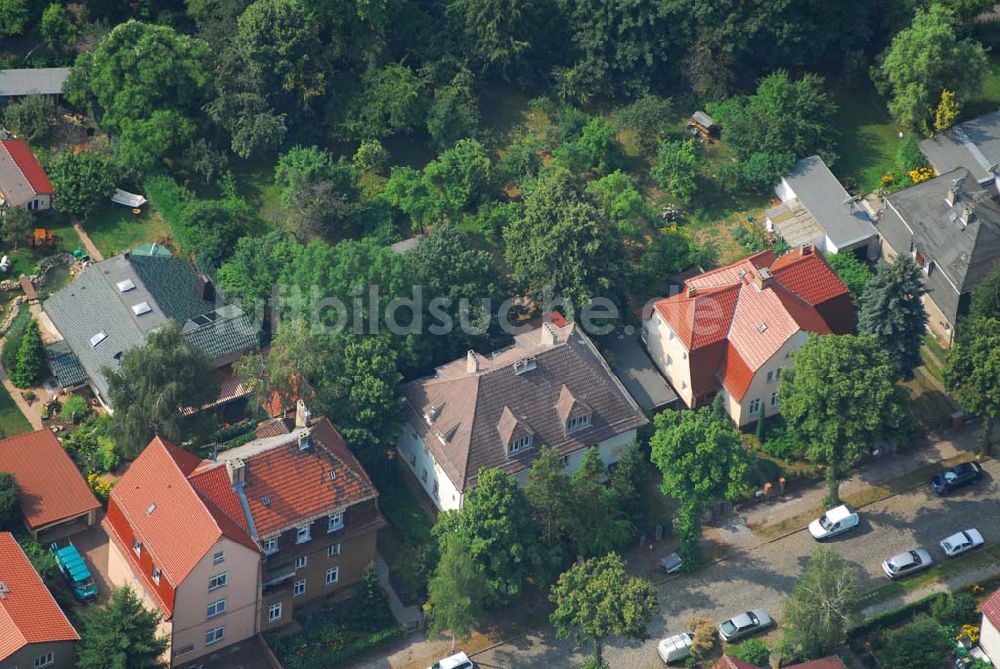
(23, 182)
(55, 500)
(973, 145)
(551, 388)
(730, 662)
(989, 632)
(34, 631)
(228, 547)
(733, 329)
(815, 209)
(950, 226)
(114, 305)
(46, 81)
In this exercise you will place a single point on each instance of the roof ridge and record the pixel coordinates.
(14, 160)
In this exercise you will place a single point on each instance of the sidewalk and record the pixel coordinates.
(409, 617)
(87, 243)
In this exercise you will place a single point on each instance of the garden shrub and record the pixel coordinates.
(30, 363)
(12, 343)
(170, 199)
(753, 651)
(923, 642)
(954, 610)
(74, 408)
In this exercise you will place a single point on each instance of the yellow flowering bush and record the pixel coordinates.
(920, 174)
(970, 632)
(888, 179)
(100, 486)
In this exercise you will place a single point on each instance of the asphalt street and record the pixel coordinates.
(766, 575)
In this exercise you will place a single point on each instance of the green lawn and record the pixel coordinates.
(114, 228)
(868, 138)
(25, 259)
(12, 421)
(988, 99)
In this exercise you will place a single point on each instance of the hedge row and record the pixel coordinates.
(890, 618)
(169, 198)
(350, 651)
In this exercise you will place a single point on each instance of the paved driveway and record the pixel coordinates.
(766, 575)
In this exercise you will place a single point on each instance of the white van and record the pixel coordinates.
(675, 648)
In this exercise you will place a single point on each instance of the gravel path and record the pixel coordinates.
(764, 576)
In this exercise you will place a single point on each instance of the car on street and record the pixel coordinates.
(961, 542)
(456, 661)
(835, 521)
(956, 477)
(672, 563)
(744, 624)
(675, 648)
(907, 563)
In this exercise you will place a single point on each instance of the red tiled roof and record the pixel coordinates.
(271, 427)
(28, 612)
(730, 662)
(32, 170)
(49, 485)
(173, 522)
(991, 609)
(832, 662)
(298, 484)
(725, 307)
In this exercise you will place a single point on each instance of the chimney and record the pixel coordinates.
(548, 335)
(951, 197)
(126, 254)
(206, 290)
(807, 249)
(762, 278)
(471, 362)
(969, 213)
(236, 469)
(302, 415)
(692, 291)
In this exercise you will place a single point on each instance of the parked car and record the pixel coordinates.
(907, 563)
(75, 571)
(956, 477)
(672, 563)
(675, 648)
(456, 661)
(744, 624)
(961, 542)
(835, 521)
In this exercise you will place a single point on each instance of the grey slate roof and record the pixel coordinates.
(974, 145)
(94, 304)
(703, 119)
(41, 80)
(468, 408)
(843, 220)
(963, 255)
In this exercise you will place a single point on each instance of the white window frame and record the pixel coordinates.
(216, 608)
(518, 445)
(335, 572)
(45, 660)
(755, 406)
(220, 580)
(136, 547)
(215, 635)
(301, 561)
(274, 612)
(299, 588)
(303, 534)
(270, 545)
(219, 557)
(155, 574)
(333, 550)
(335, 522)
(774, 398)
(578, 423)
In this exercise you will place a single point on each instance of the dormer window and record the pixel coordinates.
(518, 445)
(577, 423)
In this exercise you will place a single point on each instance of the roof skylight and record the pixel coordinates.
(141, 308)
(126, 285)
(98, 338)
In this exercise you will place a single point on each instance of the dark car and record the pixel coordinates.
(956, 477)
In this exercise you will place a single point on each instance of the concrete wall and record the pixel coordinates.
(784, 190)
(989, 641)
(670, 355)
(421, 462)
(760, 388)
(242, 566)
(63, 655)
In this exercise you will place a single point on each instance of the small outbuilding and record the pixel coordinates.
(46, 81)
(702, 125)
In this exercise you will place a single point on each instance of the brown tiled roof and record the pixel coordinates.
(28, 613)
(272, 427)
(286, 486)
(832, 662)
(730, 662)
(723, 310)
(49, 485)
(991, 609)
(468, 408)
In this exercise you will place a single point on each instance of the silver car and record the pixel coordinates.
(907, 563)
(744, 624)
(961, 542)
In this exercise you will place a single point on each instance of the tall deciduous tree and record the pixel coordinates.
(678, 167)
(596, 599)
(824, 605)
(497, 527)
(924, 60)
(702, 460)
(854, 273)
(13, 17)
(499, 31)
(923, 642)
(973, 372)
(839, 397)
(891, 311)
(58, 29)
(15, 225)
(986, 297)
(122, 634)
(153, 384)
(564, 242)
(549, 493)
(456, 593)
(30, 117)
(596, 524)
